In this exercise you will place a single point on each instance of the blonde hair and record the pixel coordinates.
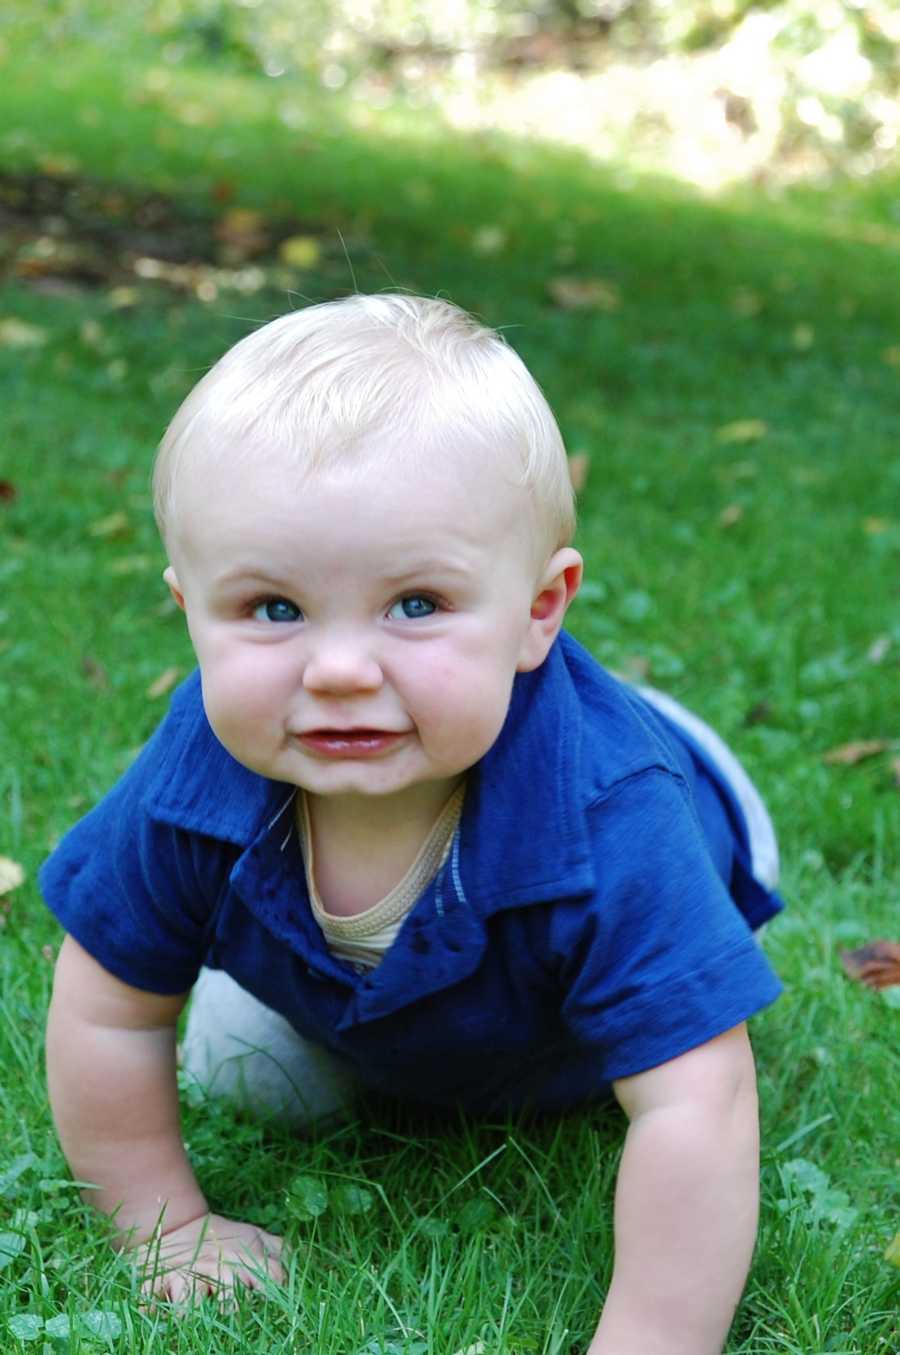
(321, 382)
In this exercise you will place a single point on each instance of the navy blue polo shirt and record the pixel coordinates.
(593, 918)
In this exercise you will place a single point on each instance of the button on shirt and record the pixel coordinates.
(593, 917)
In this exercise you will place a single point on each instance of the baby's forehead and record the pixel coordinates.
(222, 467)
(460, 499)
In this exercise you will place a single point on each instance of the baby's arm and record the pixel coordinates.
(111, 1075)
(686, 1203)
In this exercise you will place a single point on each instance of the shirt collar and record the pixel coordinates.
(199, 786)
(523, 832)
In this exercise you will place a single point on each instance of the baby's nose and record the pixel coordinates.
(341, 664)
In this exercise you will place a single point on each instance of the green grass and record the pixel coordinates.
(728, 312)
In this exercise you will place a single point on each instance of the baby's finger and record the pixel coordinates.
(273, 1250)
(240, 1277)
(275, 1271)
(255, 1274)
(252, 1270)
(263, 1258)
(154, 1286)
(271, 1245)
(226, 1297)
(183, 1289)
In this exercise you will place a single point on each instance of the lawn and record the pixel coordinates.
(732, 370)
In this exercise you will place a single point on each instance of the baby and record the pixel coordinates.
(405, 831)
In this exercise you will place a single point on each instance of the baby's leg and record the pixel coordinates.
(238, 1048)
(763, 842)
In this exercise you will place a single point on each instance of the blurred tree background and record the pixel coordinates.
(714, 91)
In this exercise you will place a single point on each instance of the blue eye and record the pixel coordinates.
(412, 608)
(276, 609)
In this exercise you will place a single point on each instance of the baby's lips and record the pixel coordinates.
(357, 732)
(360, 732)
(350, 743)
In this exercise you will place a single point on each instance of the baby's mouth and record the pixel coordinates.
(344, 743)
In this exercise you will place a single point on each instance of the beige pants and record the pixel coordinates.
(238, 1048)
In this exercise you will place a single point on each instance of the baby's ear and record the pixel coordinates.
(171, 579)
(558, 585)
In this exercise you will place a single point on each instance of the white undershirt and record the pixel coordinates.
(363, 938)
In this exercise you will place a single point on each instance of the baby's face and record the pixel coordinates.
(357, 632)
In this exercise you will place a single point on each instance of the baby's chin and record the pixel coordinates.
(350, 786)
(406, 793)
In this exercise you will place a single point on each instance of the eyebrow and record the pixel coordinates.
(418, 568)
(244, 574)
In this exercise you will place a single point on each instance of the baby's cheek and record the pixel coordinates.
(223, 716)
(469, 714)
(246, 680)
(233, 705)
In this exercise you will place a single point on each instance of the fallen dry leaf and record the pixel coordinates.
(579, 469)
(193, 113)
(746, 302)
(759, 713)
(895, 771)
(742, 430)
(738, 470)
(11, 875)
(114, 524)
(243, 233)
(121, 297)
(572, 294)
(95, 673)
(8, 491)
(53, 262)
(18, 334)
(806, 475)
(59, 165)
(731, 514)
(300, 251)
(488, 240)
(635, 667)
(877, 964)
(92, 334)
(164, 683)
(848, 754)
(130, 564)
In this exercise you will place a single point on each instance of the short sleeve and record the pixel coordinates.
(138, 894)
(660, 960)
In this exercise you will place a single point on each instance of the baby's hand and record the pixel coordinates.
(210, 1255)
